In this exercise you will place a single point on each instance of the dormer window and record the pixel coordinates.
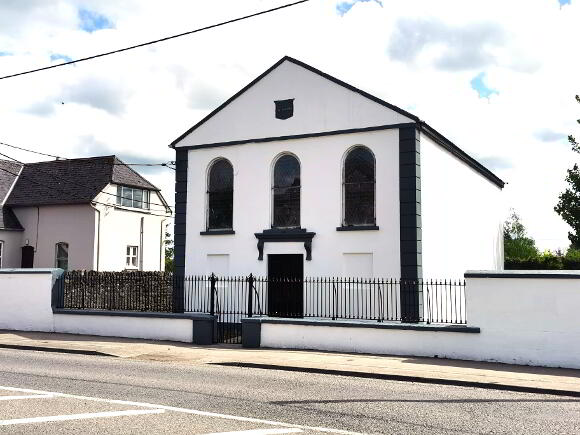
(284, 108)
(133, 197)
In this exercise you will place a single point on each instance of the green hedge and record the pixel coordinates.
(546, 261)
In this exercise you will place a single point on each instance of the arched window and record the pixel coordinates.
(61, 255)
(358, 187)
(220, 196)
(286, 193)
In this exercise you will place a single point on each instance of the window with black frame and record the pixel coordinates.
(286, 193)
(359, 188)
(220, 196)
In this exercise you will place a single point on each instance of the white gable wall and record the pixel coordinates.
(462, 214)
(321, 204)
(319, 105)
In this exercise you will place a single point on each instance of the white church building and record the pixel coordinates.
(301, 174)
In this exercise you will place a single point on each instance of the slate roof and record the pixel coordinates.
(8, 173)
(71, 181)
(8, 220)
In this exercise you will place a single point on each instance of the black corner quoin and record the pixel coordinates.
(284, 108)
(180, 210)
(410, 220)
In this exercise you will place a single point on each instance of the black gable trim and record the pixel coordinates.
(441, 140)
(310, 68)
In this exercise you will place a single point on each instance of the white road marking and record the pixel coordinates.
(32, 396)
(186, 411)
(259, 432)
(79, 416)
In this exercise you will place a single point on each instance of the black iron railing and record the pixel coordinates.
(231, 298)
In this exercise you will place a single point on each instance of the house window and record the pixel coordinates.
(132, 254)
(132, 197)
(286, 193)
(61, 255)
(359, 187)
(220, 196)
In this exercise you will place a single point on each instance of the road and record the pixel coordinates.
(62, 393)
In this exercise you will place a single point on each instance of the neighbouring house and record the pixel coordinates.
(301, 174)
(91, 213)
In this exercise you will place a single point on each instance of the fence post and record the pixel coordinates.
(212, 280)
(250, 280)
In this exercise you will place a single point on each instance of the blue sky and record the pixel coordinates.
(345, 6)
(478, 83)
(91, 21)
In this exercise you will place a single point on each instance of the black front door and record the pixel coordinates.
(285, 285)
(27, 260)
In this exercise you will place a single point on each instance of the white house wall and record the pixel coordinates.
(319, 105)
(321, 206)
(45, 226)
(120, 227)
(11, 248)
(461, 213)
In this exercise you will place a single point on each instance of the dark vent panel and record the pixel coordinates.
(284, 108)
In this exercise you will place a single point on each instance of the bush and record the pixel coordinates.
(546, 261)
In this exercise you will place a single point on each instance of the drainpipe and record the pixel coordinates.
(141, 245)
(162, 246)
(98, 234)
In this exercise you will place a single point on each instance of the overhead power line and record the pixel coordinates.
(31, 151)
(63, 191)
(144, 44)
(57, 178)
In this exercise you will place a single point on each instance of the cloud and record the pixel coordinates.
(478, 84)
(456, 47)
(548, 135)
(205, 97)
(91, 21)
(344, 6)
(496, 162)
(99, 93)
(62, 57)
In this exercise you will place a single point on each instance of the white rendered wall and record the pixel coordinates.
(129, 327)
(523, 321)
(11, 253)
(319, 105)
(120, 227)
(73, 224)
(25, 300)
(462, 214)
(321, 205)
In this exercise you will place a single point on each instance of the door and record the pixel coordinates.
(285, 285)
(27, 260)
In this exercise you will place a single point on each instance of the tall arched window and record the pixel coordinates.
(61, 255)
(286, 193)
(359, 187)
(220, 196)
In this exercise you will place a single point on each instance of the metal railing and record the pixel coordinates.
(231, 298)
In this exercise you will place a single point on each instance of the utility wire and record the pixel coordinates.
(167, 164)
(57, 178)
(223, 23)
(63, 191)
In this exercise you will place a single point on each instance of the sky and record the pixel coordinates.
(497, 78)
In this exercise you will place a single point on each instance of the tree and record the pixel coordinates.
(515, 240)
(568, 206)
(169, 251)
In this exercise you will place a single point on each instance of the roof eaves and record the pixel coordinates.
(459, 153)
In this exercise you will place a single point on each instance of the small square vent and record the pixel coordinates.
(284, 108)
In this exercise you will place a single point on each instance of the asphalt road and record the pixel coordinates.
(164, 397)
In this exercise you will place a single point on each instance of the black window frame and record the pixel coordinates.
(279, 191)
(213, 194)
(347, 222)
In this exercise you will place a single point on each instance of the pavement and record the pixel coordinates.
(416, 369)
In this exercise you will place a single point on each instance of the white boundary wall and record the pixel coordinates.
(527, 317)
(25, 305)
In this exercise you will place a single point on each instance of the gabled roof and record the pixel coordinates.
(421, 125)
(71, 181)
(8, 174)
(308, 67)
